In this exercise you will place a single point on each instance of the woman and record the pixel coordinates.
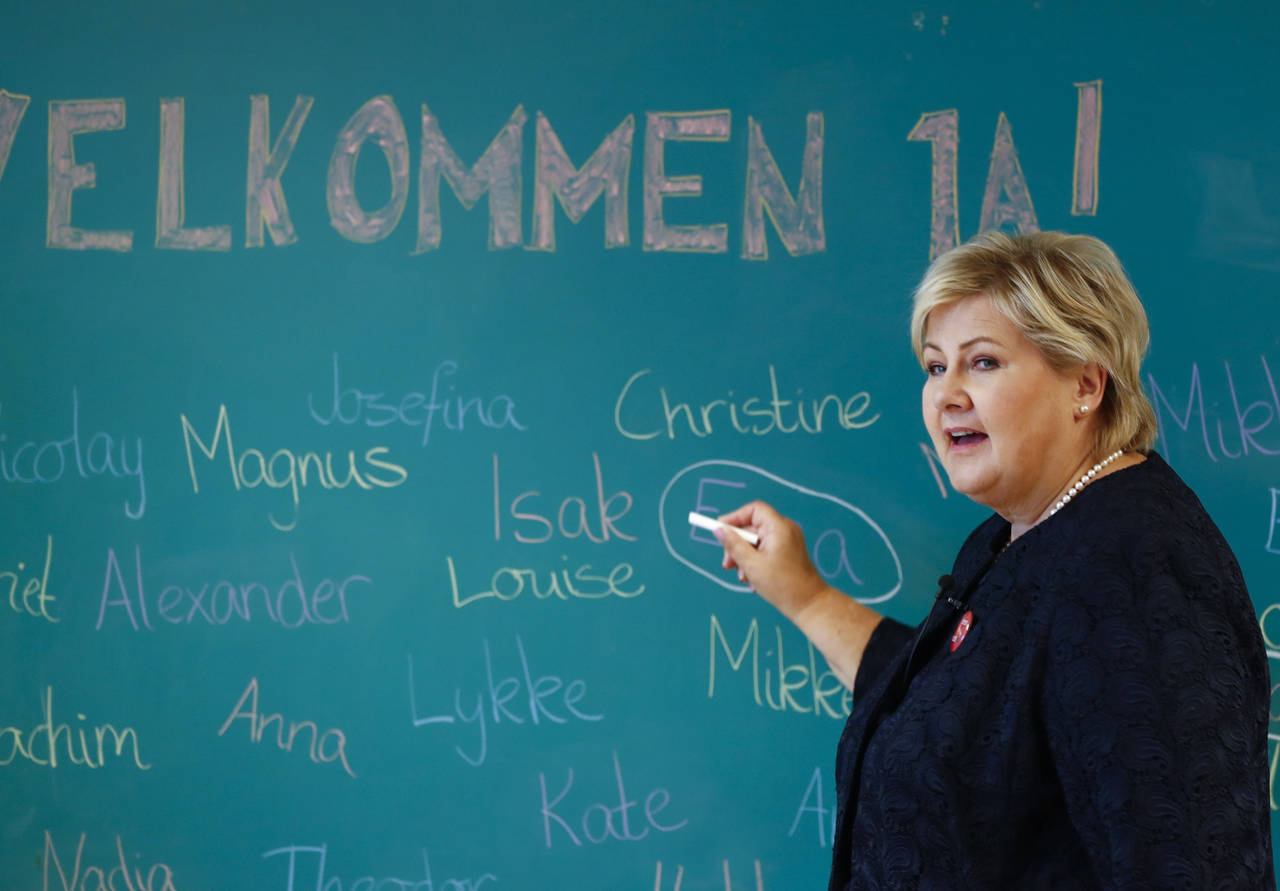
(1086, 705)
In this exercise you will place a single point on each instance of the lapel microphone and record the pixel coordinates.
(945, 584)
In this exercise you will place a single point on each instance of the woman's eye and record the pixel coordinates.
(933, 369)
(985, 363)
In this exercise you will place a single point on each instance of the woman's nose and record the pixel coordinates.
(949, 393)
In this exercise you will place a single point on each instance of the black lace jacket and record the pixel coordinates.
(1102, 723)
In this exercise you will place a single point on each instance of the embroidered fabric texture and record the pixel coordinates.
(1102, 725)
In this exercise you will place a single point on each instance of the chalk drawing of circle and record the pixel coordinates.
(733, 585)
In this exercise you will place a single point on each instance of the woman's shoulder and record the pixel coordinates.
(1142, 540)
(1146, 505)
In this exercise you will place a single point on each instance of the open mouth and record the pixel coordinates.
(961, 438)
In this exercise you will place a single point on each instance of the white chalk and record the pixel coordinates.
(705, 522)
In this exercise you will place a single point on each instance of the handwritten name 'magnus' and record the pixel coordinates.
(290, 604)
(286, 469)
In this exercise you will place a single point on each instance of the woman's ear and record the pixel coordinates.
(1091, 383)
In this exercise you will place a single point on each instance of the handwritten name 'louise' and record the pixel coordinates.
(533, 518)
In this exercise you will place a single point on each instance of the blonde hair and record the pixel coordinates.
(1068, 294)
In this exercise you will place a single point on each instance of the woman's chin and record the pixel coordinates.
(970, 485)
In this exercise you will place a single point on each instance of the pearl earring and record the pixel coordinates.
(1084, 409)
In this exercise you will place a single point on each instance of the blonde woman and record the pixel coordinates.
(1086, 704)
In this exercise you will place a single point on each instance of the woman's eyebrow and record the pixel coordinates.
(982, 338)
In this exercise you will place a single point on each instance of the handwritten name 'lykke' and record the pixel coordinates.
(47, 462)
(540, 698)
(40, 745)
(291, 605)
(285, 469)
(353, 406)
(637, 415)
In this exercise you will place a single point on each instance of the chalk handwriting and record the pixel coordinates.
(819, 693)
(600, 822)
(1084, 183)
(941, 130)
(1273, 546)
(565, 583)
(37, 587)
(1253, 426)
(797, 218)
(577, 188)
(326, 747)
(40, 745)
(1273, 731)
(377, 120)
(1269, 624)
(13, 106)
(572, 520)
(291, 605)
(935, 467)
(36, 462)
(171, 197)
(158, 877)
(812, 805)
(1006, 200)
(679, 877)
(298, 877)
(637, 415)
(354, 406)
(66, 121)
(841, 534)
(287, 470)
(514, 699)
(1273, 740)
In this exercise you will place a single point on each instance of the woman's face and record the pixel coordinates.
(1003, 422)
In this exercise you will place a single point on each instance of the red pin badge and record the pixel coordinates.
(962, 630)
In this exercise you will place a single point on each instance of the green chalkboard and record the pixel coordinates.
(361, 366)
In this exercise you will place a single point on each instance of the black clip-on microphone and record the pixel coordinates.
(945, 584)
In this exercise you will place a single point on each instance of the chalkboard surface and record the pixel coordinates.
(361, 366)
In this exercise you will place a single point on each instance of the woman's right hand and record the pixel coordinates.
(778, 568)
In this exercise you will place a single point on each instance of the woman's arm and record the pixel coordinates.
(779, 569)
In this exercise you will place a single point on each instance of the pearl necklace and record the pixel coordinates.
(1084, 481)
